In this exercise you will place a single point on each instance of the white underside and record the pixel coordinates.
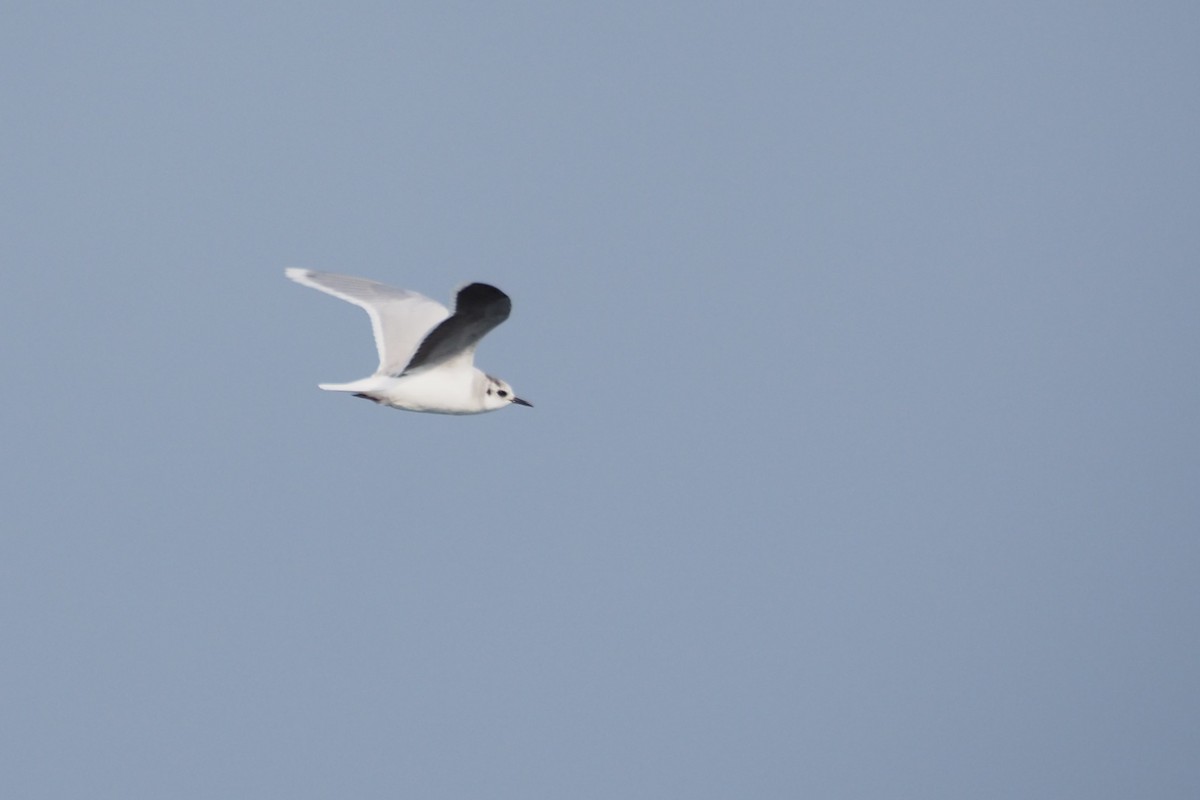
(437, 391)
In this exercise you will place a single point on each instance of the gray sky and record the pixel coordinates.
(863, 340)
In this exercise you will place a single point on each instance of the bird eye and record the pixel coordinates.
(502, 393)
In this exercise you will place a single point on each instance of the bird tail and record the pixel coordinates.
(363, 385)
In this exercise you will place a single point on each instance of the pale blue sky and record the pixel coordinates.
(863, 339)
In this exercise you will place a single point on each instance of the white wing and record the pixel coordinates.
(400, 319)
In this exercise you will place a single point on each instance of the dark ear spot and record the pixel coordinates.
(489, 390)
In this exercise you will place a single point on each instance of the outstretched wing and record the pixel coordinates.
(477, 309)
(400, 319)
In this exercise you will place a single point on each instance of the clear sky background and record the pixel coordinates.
(863, 339)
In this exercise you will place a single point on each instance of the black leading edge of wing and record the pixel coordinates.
(477, 309)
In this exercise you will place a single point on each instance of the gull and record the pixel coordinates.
(426, 354)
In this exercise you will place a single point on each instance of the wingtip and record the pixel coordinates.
(296, 273)
(482, 298)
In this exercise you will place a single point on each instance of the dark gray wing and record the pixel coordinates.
(477, 309)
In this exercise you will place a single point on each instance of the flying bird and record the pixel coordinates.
(426, 354)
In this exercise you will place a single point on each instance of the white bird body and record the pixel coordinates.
(426, 354)
(449, 393)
